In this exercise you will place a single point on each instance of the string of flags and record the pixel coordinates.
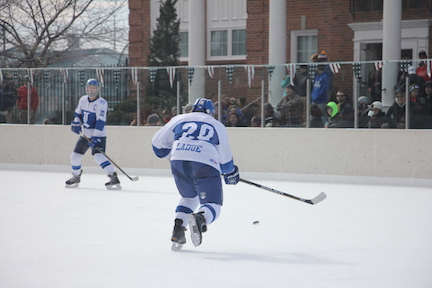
(250, 70)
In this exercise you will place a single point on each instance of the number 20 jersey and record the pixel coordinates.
(197, 137)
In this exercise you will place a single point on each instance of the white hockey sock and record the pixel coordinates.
(211, 211)
(75, 160)
(104, 163)
(186, 206)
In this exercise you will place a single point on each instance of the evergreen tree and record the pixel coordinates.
(164, 51)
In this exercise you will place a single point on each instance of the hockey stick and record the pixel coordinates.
(131, 178)
(313, 201)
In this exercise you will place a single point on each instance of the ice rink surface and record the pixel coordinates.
(360, 236)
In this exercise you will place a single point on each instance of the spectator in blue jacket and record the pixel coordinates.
(320, 90)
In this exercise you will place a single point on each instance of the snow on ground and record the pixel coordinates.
(360, 236)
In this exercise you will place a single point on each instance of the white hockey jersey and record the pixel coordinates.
(92, 115)
(197, 137)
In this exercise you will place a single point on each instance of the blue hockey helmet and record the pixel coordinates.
(203, 105)
(92, 87)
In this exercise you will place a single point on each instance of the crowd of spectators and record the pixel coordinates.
(330, 108)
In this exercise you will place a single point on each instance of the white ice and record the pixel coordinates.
(360, 236)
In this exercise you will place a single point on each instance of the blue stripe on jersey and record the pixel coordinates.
(105, 164)
(76, 167)
(211, 210)
(161, 153)
(196, 130)
(184, 209)
(79, 116)
(227, 167)
(100, 125)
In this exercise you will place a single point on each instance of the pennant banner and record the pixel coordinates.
(81, 73)
(117, 73)
(171, 75)
(230, 72)
(47, 74)
(65, 74)
(30, 75)
(100, 76)
(312, 71)
(270, 70)
(134, 74)
(291, 69)
(357, 70)
(428, 67)
(191, 71)
(404, 65)
(250, 70)
(335, 67)
(15, 76)
(379, 65)
(210, 71)
(153, 72)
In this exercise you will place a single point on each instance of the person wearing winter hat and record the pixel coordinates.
(363, 109)
(290, 108)
(396, 113)
(332, 110)
(414, 91)
(413, 79)
(377, 115)
(320, 90)
(422, 69)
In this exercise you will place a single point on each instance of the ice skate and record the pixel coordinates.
(114, 183)
(178, 236)
(74, 181)
(197, 224)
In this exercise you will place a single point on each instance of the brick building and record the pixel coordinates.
(346, 30)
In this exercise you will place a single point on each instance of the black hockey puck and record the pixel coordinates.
(255, 222)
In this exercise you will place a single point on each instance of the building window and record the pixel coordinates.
(304, 43)
(239, 42)
(306, 46)
(219, 43)
(184, 44)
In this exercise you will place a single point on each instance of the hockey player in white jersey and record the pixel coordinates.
(198, 149)
(90, 118)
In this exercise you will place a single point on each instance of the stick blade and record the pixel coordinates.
(135, 178)
(317, 199)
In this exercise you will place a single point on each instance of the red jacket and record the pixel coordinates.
(22, 98)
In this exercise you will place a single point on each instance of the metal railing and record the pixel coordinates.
(137, 92)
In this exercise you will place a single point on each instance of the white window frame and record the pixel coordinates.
(294, 41)
(229, 55)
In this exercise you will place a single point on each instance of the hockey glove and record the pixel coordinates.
(232, 177)
(94, 142)
(76, 127)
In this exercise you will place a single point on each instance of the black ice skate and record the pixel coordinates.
(197, 224)
(178, 236)
(114, 183)
(74, 181)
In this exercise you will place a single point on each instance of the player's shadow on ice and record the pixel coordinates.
(283, 258)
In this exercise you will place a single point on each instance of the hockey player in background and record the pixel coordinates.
(90, 119)
(198, 149)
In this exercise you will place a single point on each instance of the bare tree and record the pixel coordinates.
(36, 33)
